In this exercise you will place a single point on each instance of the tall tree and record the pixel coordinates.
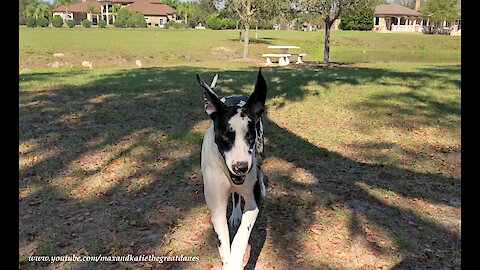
(172, 3)
(441, 10)
(329, 11)
(203, 10)
(185, 8)
(42, 10)
(249, 12)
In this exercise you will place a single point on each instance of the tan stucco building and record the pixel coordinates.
(393, 17)
(156, 14)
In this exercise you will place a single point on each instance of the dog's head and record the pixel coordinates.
(235, 126)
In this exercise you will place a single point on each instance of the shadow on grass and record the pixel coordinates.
(252, 39)
(151, 116)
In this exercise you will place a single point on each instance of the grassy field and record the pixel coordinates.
(363, 160)
(153, 47)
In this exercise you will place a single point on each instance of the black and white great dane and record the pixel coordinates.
(232, 157)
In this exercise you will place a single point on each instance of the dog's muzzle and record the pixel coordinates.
(240, 170)
(236, 179)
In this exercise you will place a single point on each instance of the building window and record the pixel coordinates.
(156, 24)
(161, 21)
(377, 20)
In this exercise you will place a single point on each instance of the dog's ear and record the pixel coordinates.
(214, 81)
(213, 104)
(256, 101)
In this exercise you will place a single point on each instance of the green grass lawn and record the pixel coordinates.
(122, 47)
(363, 160)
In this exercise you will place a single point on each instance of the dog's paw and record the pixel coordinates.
(235, 219)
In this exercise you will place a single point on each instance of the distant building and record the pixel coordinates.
(397, 18)
(156, 14)
(393, 17)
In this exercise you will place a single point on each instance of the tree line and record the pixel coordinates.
(249, 14)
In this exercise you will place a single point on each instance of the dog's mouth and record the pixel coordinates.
(237, 179)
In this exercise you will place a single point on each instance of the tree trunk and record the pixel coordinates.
(326, 52)
(256, 31)
(246, 40)
(186, 18)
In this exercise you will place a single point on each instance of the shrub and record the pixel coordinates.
(142, 24)
(171, 24)
(31, 22)
(86, 23)
(57, 21)
(71, 23)
(123, 16)
(42, 22)
(139, 20)
(118, 24)
(102, 24)
(215, 22)
(131, 23)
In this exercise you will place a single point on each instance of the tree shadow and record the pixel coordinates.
(155, 117)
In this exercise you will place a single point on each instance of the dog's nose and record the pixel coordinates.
(240, 167)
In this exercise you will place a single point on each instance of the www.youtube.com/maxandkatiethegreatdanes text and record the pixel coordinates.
(110, 258)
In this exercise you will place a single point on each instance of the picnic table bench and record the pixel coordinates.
(283, 56)
(282, 61)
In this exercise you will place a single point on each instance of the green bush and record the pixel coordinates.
(171, 25)
(139, 20)
(57, 21)
(131, 23)
(86, 23)
(118, 24)
(31, 22)
(71, 23)
(42, 22)
(361, 19)
(102, 24)
(123, 16)
(215, 22)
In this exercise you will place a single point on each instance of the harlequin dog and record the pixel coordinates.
(231, 161)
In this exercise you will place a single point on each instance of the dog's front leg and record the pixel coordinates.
(240, 242)
(218, 211)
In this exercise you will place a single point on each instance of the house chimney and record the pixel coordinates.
(417, 5)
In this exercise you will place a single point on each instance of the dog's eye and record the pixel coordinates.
(227, 136)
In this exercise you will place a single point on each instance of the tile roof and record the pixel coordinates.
(147, 7)
(151, 7)
(79, 7)
(395, 10)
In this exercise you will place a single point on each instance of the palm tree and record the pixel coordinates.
(185, 8)
(63, 2)
(42, 9)
(91, 9)
(30, 10)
